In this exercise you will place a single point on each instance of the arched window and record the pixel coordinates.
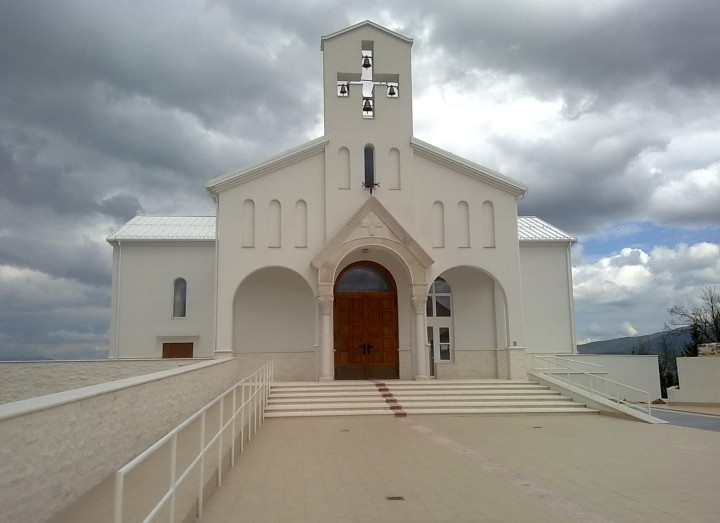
(363, 278)
(179, 298)
(369, 182)
(439, 320)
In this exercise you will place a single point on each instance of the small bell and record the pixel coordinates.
(392, 91)
(343, 89)
(366, 62)
(367, 106)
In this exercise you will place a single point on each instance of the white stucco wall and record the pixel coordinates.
(57, 447)
(144, 297)
(547, 300)
(30, 379)
(699, 381)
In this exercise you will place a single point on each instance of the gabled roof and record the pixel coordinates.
(150, 228)
(468, 168)
(533, 229)
(202, 228)
(219, 184)
(361, 24)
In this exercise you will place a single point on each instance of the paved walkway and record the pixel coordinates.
(457, 468)
(705, 418)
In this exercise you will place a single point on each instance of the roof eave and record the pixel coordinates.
(226, 181)
(514, 187)
(361, 24)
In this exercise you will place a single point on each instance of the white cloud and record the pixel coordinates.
(629, 292)
(691, 195)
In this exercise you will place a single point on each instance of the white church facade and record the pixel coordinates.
(363, 254)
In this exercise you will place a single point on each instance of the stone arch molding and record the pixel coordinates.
(372, 225)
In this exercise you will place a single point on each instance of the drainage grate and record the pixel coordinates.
(395, 498)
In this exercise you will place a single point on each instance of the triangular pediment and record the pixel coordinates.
(373, 222)
(366, 23)
(222, 183)
(468, 168)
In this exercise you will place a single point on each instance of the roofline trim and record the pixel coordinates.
(468, 168)
(232, 179)
(361, 24)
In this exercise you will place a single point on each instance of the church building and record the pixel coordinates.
(363, 254)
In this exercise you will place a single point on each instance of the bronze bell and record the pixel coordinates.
(367, 106)
(343, 89)
(392, 91)
(366, 62)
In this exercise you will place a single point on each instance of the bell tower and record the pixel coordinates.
(367, 86)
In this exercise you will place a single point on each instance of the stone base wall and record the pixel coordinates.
(506, 363)
(287, 366)
(469, 364)
(406, 367)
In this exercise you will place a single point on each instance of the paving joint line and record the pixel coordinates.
(514, 478)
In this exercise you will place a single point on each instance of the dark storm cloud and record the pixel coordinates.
(112, 108)
(606, 49)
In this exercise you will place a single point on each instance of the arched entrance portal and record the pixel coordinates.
(366, 323)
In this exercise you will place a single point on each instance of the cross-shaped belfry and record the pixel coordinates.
(368, 84)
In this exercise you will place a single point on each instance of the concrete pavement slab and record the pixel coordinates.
(472, 468)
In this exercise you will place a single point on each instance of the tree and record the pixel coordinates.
(667, 365)
(702, 321)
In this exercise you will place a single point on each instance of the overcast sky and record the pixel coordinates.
(608, 110)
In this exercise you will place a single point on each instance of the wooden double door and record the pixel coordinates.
(366, 335)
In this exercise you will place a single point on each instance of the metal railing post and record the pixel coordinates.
(221, 422)
(201, 473)
(173, 472)
(119, 493)
(234, 416)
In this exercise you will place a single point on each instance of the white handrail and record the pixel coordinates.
(258, 385)
(567, 369)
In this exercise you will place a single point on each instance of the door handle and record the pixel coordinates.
(369, 348)
(364, 348)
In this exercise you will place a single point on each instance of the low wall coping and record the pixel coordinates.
(48, 401)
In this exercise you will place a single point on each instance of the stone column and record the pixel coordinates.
(327, 356)
(420, 354)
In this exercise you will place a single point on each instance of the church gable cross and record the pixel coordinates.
(371, 224)
(367, 82)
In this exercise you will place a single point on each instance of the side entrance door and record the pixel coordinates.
(366, 325)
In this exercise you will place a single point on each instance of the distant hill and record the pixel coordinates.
(652, 343)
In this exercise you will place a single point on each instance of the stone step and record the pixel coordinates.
(420, 404)
(416, 393)
(274, 400)
(479, 411)
(426, 397)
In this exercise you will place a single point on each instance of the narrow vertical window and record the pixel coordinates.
(439, 321)
(300, 223)
(487, 224)
(275, 224)
(438, 224)
(179, 298)
(248, 224)
(463, 224)
(394, 168)
(344, 168)
(369, 182)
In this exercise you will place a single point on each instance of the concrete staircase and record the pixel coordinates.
(400, 398)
